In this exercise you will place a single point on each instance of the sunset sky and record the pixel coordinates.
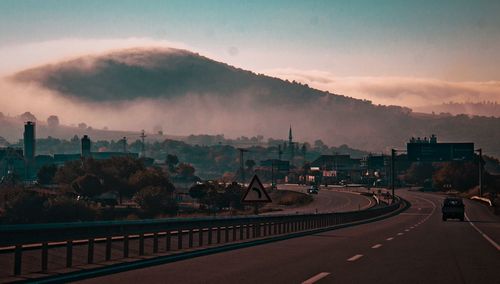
(391, 52)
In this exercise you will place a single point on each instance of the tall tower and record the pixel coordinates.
(86, 143)
(143, 145)
(291, 145)
(29, 149)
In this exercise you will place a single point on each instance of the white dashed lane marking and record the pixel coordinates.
(316, 278)
(376, 246)
(356, 257)
(389, 239)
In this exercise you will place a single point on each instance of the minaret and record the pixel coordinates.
(291, 146)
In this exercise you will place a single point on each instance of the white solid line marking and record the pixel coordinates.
(407, 230)
(356, 257)
(376, 246)
(400, 234)
(389, 239)
(482, 234)
(316, 278)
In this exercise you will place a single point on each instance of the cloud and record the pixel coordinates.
(405, 91)
(18, 57)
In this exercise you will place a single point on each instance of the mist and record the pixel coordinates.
(404, 91)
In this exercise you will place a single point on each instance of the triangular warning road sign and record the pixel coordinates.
(256, 192)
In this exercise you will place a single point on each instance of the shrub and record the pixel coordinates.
(23, 207)
(64, 209)
(155, 200)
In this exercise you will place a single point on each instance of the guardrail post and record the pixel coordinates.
(210, 233)
(168, 241)
(18, 256)
(218, 235)
(108, 248)
(69, 253)
(234, 232)
(125, 246)
(241, 232)
(190, 234)
(141, 244)
(200, 237)
(179, 238)
(226, 234)
(45, 256)
(155, 242)
(247, 227)
(90, 251)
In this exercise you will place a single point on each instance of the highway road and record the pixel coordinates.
(327, 200)
(415, 246)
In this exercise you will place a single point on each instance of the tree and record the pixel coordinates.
(461, 176)
(24, 207)
(88, 185)
(232, 196)
(172, 161)
(199, 191)
(319, 146)
(151, 177)
(46, 174)
(64, 209)
(69, 172)
(53, 121)
(155, 200)
(418, 173)
(28, 116)
(185, 170)
(250, 164)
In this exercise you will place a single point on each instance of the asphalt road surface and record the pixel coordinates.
(415, 246)
(327, 200)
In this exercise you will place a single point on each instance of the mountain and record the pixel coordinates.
(188, 93)
(481, 108)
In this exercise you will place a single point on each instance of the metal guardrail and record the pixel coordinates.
(198, 231)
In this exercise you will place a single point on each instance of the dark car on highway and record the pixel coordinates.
(313, 189)
(453, 208)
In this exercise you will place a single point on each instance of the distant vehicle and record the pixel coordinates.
(453, 207)
(313, 189)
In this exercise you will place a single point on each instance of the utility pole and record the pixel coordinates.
(272, 174)
(393, 172)
(143, 147)
(124, 140)
(242, 164)
(480, 172)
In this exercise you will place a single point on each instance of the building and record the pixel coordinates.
(29, 150)
(335, 168)
(86, 145)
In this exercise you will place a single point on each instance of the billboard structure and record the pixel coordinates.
(440, 152)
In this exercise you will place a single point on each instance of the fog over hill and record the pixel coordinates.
(185, 93)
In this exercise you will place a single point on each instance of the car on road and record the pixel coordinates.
(313, 189)
(453, 208)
